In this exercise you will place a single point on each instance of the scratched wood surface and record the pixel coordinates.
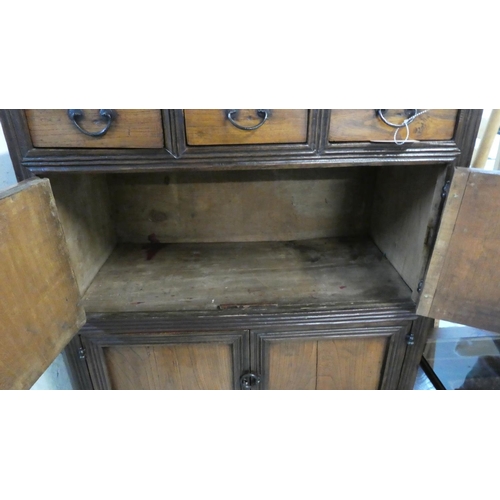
(130, 128)
(205, 127)
(242, 206)
(468, 279)
(212, 275)
(167, 367)
(40, 309)
(365, 125)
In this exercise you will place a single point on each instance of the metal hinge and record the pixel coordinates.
(410, 339)
(81, 353)
(445, 190)
(420, 286)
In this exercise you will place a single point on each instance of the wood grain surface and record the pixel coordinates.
(206, 127)
(173, 366)
(242, 206)
(351, 364)
(468, 281)
(292, 365)
(328, 364)
(365, 125)
(269, 274)
(131, 128)
(40, 309)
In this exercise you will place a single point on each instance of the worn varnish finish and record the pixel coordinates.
(463, 283)
(242, 206)
(40, 309)
(365, 125)
(211, 127)
(130, 128)
(191, 277)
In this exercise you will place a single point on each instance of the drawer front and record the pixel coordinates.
(129, 128)
(210, 127)
(365, 125)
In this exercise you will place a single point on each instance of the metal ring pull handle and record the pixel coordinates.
(76, 114)
(411, 114)
(249, 380)
(262, 113)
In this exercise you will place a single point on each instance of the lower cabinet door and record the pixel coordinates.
(196, 360)
(350, 358)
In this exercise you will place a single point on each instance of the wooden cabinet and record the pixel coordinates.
(225, 265)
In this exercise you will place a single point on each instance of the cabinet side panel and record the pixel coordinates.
(39, 310)
(176, 366)
(84, 210)
(351, 364)
(405, 215)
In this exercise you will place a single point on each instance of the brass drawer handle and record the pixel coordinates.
(262, 113)
(76, 114)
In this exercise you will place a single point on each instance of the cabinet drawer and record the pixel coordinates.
(209, 127)
(366, 125)
(129, 128)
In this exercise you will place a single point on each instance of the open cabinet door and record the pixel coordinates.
(39, 306)
(463, 280)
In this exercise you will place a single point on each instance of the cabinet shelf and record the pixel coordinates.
(245, 276)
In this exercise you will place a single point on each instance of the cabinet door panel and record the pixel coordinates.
(168, 361)
(463, 280)
(351, 363)
(356, 358)
(292, 364)
(178, 366)
(39, 310)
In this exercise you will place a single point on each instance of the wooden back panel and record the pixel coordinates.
(275, 205)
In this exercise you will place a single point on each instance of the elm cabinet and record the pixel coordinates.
(241, 249)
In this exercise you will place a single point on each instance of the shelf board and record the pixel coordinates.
(245, 276)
